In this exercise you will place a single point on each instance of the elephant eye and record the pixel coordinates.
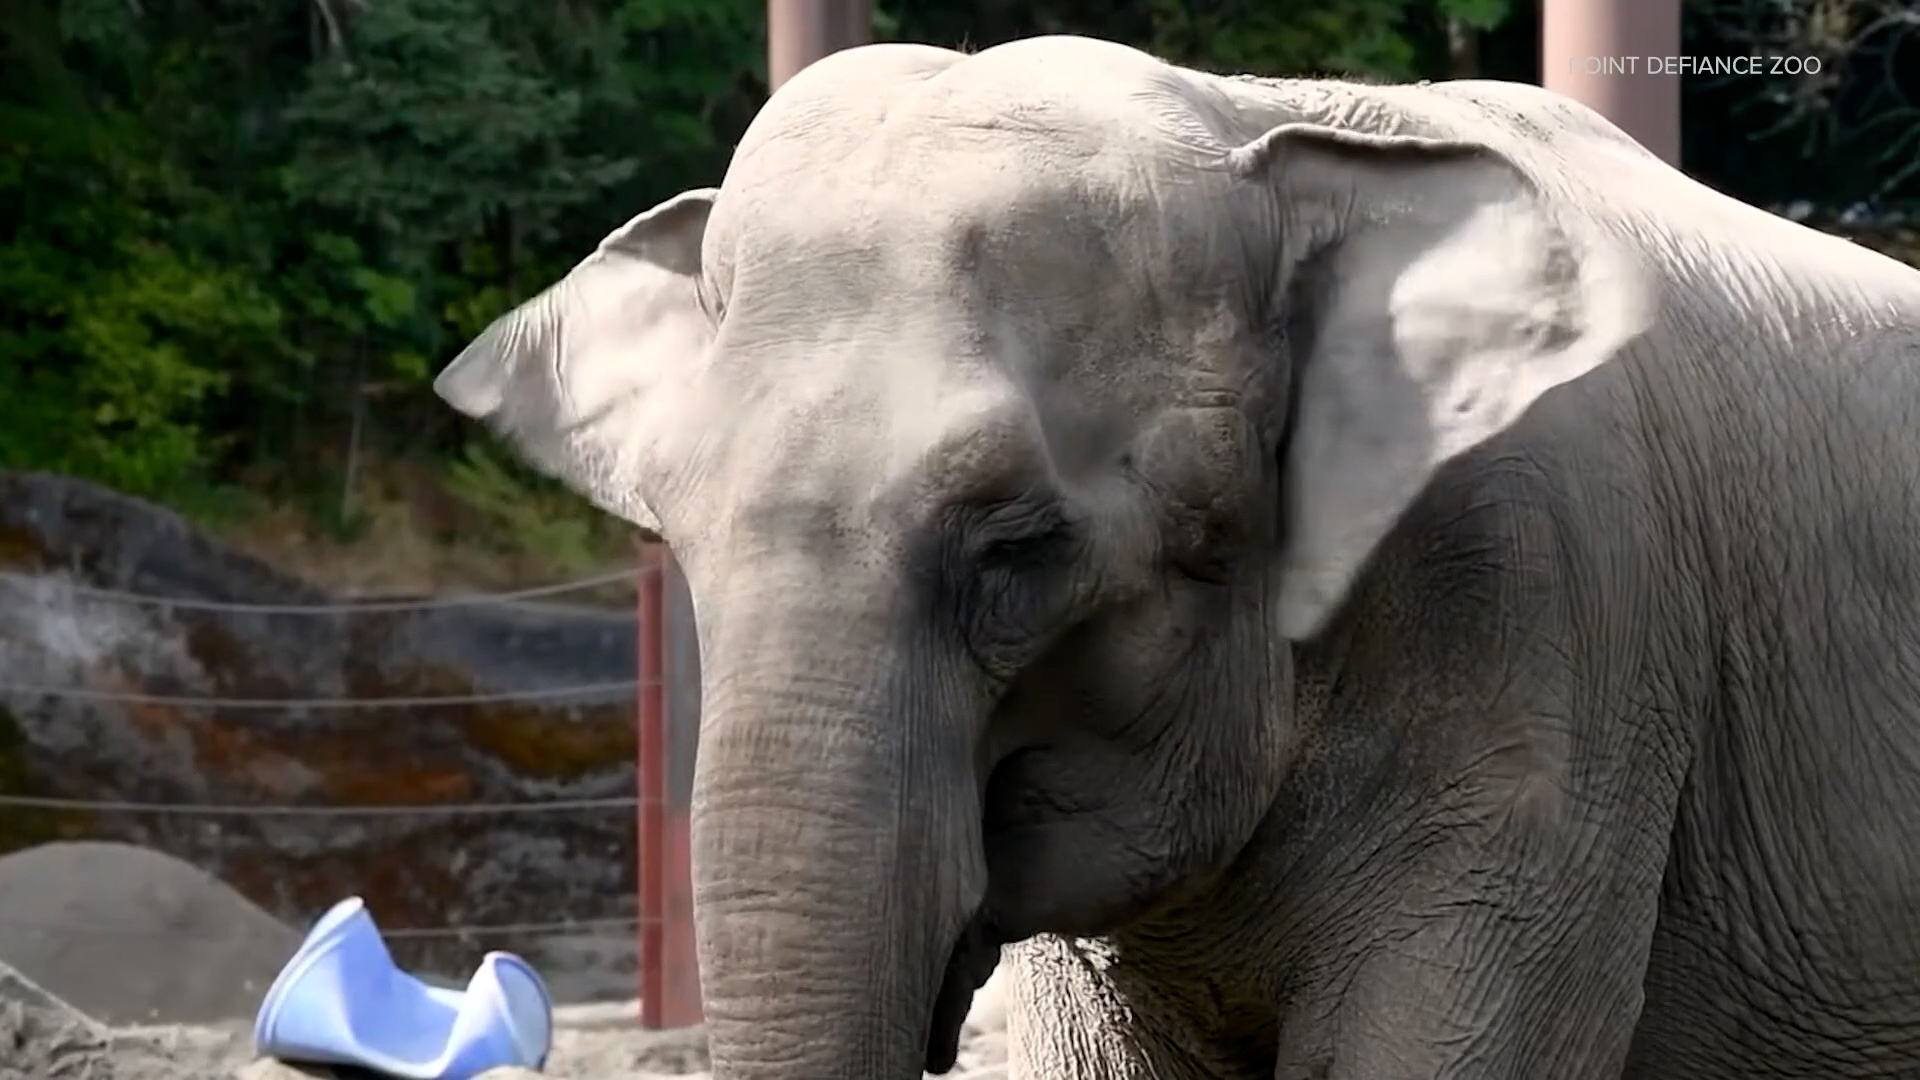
(1024, 552)
(1014, 581)
(1204, 569)
(1022, 538)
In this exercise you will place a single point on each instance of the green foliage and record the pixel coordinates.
(1286, 37)
(1478, 14)
(228, 219)
(237, 235)
(528, 512)
(117, 335)
(427, 129)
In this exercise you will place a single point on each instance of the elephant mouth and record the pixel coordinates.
(972, 960)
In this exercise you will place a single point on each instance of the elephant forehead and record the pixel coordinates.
(993, 288)
(1074, 90)
(1081, 283)
(885, 374)
(1003, 147)
(922, 204)
(878, 455)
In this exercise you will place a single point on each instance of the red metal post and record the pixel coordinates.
(1621, 59)
(652, 787)
(798, 33)
(802, 31)
(680, 962)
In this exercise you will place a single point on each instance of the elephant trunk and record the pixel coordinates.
(837, 852)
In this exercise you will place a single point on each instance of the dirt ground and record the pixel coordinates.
(47, 1042)
(117, 963)
(37, 1043)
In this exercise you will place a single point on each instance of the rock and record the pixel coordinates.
(198, 1052)
(38, 1043)
(126, 935)
(17, 988)
(269, 1069)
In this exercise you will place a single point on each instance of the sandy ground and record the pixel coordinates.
(47, 1042)
(118, 963)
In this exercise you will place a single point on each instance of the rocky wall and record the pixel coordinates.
(59, 538)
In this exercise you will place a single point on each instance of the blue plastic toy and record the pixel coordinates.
(341, 1001)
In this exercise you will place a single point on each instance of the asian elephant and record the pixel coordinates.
(1346, 581)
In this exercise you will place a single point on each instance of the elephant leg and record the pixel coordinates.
(1497, 968)
(1065, 1018)
(1068, 1019)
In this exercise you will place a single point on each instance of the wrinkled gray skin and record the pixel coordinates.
(1362, 582)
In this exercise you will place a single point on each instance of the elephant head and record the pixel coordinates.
(1010, 415)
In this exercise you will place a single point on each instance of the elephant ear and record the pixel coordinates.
(575, 378)
(1441, 294)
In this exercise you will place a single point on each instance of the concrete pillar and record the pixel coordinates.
(1612, 56)
(802, 31)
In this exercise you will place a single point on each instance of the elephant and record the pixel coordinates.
(1318, 578)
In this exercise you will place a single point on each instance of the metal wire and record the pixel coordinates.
(117, 806)
(118, 697)
(560, 927)
(552, 928)
(190, 604)
(556, 928)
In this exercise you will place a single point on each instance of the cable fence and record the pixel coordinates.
(471, 809)
(589, 926)
(190, 701)
(558, 928)
(605, 692)
(434, 603)
(548, 928)
(608, 688)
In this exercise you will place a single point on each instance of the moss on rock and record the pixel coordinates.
(29, 826)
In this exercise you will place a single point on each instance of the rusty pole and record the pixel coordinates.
(1619, 58)
(802, 31)
(798, 33)
(656, 1011)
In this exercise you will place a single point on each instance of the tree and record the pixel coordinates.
(236, 229)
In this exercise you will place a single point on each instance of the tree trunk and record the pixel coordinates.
(1463, 50)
